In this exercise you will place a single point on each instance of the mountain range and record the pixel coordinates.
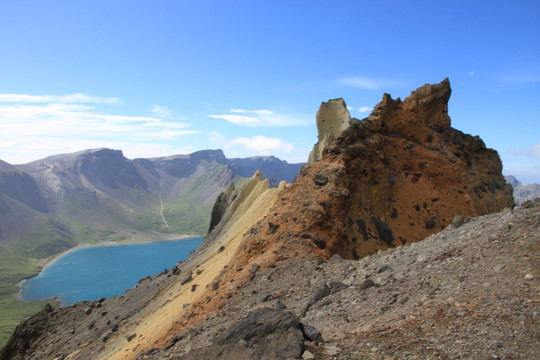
(398, 239)
(99, 195)
(523, 192)
(379, 249)
(95, 196)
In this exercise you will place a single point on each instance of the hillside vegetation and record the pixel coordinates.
(99, 196)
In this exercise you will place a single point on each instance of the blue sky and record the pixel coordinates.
(156, 78)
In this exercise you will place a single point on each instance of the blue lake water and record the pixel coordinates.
(104, 271)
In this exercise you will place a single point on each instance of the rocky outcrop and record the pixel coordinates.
(391, 179)
(220, 206)
(332, 119)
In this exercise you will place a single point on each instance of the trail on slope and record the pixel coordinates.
(161, 209)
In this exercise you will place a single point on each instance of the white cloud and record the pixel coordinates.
(31, 129)
(535, 150)
(259, 118)
(217, 138)
(161, 111)
(364, 109)
(369, 83)
(258, 145)
(471, 73)
(531, 151)
(263, 145)
(63, 99)
(237, 119)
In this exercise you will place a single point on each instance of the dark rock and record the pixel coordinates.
(193, 287)
(310, 333)
(430, 223)
(106, 337)
(221, 248)
(88, 310)
(279, 305)
(131, 337)
(336, 286)
(362, 228)
(272, 227)
(186, 278)
(321, 292)
(321, 244)
(385, 233)
(266, 297)
(263, 334)
(220, 206)
(320, 180)
(254, 268)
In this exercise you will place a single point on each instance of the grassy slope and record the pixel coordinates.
(15, 267)
(17, 258)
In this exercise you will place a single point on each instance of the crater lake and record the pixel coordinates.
(90, 273)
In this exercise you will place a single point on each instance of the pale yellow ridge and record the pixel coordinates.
(155, 321)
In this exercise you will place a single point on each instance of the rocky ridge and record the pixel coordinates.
(285, 254)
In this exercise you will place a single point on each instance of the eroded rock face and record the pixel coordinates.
(332, 119)
(395, 177)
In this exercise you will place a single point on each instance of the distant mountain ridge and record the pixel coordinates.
(96, 195)
(523, 192)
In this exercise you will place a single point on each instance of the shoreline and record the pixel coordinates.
(145, 238)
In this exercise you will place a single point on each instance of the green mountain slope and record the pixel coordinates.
(51, 205)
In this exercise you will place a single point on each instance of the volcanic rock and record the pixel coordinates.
(391, 179)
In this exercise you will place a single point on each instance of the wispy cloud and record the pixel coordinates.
(259, 118)
(161, 111)
(521, 78)
(33, 127)
(369, 82)
(237, 119)
(364, 109)
(531, 151)
(263, 145)
(63, 99)
(259, 145)
(259, 112)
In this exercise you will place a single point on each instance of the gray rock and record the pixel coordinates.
(320, 180)
(186, 278)
(336, 257)
(367, 284)
(336, 286)
(254, 268)
(263, 334)
(321, 292)
(279, 305)
(458, 220)
(311, 334)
